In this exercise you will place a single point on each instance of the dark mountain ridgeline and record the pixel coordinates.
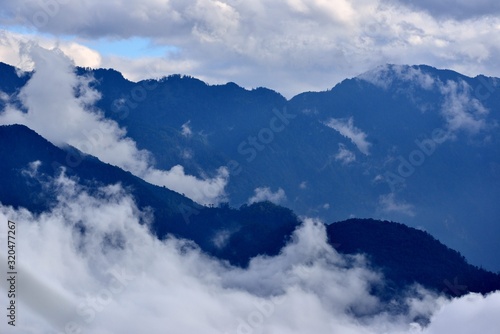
(407, 255)
(261, 228)
(404, 255)
(457, 186)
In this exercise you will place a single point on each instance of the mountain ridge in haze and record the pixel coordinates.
(356, 150)
(260, 228)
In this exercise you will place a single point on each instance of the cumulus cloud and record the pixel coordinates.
(91, 264)
(289, 45)
(347, 129)
(266, 194)
(390, 204)
(467, 314)
(60, 108)
(11, 44)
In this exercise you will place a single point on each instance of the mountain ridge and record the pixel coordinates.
(261, 228)
(311, 158)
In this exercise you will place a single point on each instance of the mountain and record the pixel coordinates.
(402, 254)
(261, 228)
(407, 143)
(406, 255)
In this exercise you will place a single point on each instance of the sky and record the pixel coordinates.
(290, 46)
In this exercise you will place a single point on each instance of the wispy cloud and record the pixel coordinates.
(186, 129)
(344, 155)
(390, 204)
(266, 194)
(460, 110)
(347, 129)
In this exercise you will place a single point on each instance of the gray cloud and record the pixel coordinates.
(287, 45)
(459, 9)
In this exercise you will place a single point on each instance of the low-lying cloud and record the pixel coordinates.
(60, 107)
(460, 109)
(98, 269)
(347, 129)
(266, 194)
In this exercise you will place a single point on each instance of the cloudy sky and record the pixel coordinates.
(287, 45)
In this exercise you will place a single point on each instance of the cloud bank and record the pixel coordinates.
(91, 264)
(60, 108)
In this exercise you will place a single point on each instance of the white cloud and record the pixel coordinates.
(460, 110)
(12, 43)
(347, 129)
(459, 9)
(266, 194)
(151, 67)
(118, 278)
(344, 155)
(468, 314)
(204, 191)
(63, 118)
(390, 204)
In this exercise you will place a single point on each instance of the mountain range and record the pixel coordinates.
(405, 143)
(400, 143)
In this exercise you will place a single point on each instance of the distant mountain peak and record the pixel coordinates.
(424, 75)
